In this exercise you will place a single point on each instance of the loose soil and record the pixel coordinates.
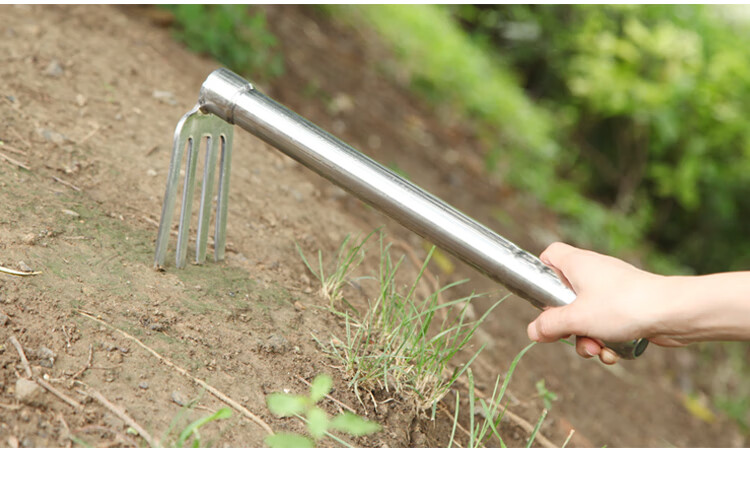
(89, 98)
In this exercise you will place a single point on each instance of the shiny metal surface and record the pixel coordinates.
(193, 129)
(233, 99)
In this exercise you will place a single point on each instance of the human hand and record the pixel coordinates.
(615, 302)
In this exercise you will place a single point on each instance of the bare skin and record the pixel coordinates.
(617, 302)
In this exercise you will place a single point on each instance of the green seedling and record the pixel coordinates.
(546, 395)
(317, 421)
(192, 429)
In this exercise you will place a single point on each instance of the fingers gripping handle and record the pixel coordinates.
(563, 295)
(236, 101)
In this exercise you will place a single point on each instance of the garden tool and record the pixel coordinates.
(226, 99)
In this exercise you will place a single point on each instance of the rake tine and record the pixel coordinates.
(187, 201)
(225, 164)
(173, 177)
(206, 195)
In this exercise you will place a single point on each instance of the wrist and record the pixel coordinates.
(702, 308)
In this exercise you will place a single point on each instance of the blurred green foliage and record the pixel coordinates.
(653, 107)
(236, 35)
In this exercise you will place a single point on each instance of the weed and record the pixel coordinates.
(480, 432)
(349, 257)
(546, 395)
(192, 429)
(391, 345)
(317, 421)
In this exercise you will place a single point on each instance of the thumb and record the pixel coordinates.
(553, 324)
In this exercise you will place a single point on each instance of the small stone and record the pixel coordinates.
(52, 136)
(13, 442)
(29, 239)
(179, 398)
(24, 268)
(341, 103)
(276, 344)
(157, 326)
(81, 100)
(71, 213)
(143, 385)
(46, 357)
(54, 69)
(27, 443)
(166, 97)
(151, 173)
(4, 319)
(29, 392)
(299, 306)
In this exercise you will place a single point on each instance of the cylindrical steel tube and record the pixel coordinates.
(232, 98)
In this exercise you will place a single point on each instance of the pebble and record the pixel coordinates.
(47, 357)
(165, 97)
(52, 136)
(28, 392)
(276, 344)
(81, 100)
(71, 213)
(24, 268)
(179, 398)
(29, 239)
(13, 442)
(143, 385)
(54, 69)
(4, 319)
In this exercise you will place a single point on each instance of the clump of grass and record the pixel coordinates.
(348, 258)
(399, 343)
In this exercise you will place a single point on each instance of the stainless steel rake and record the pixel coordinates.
(226, 99)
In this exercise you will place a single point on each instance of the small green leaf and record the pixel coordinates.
(192, 428)
(285, 405)
(321, 385)
(317, 422)
(286, 440)
(354, 425)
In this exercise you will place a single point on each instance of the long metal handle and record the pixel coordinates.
(235, 100)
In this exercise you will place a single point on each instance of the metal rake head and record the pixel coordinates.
(195, 128)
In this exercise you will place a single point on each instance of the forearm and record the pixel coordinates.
(705, 308)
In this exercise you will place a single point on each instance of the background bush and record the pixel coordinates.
(653, 109)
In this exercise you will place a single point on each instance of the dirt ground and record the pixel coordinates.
(89, 98)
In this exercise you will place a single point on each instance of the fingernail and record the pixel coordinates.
(588, 352)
